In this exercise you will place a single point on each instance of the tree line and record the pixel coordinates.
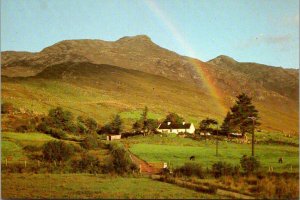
(58, 122)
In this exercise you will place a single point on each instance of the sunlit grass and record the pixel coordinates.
(177, 151)
(11, 149)
(89, 186)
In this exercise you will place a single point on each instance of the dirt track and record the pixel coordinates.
(145, 167)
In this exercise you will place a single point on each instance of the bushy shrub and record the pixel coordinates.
(57, 151)
(106, 129)
(87, 125)
(7, 108)
(249, 164)
(58, 119)
(224, 169)
(56, 133)
(43, 127)
(272, 187)
(130, 134)
(120, 161)
(82, 128)
(90, 142)
(88, 164)
(190, 169)
(22, 129)
(32, 148)
(212, 189)
(71, 127)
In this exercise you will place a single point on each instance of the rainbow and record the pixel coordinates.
(202, 72)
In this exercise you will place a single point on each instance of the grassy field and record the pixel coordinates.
(12, 143)
(24, 138)
(177, 151)
(90, 186)
(153, 148)
(11, 149)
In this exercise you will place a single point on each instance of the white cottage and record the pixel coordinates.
(168, 127)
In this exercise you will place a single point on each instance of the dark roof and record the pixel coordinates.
(165, 125)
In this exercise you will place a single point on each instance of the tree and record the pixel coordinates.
(225, 127)
(238, 117)
(137, 126)
(90, 142)
(152, 124)
(205, 125)
(91, 124)
(57, 151)
(144, 124)
(61, 119)
(249, 164)
(144, 116)
(174, 118)
(116, 125)
(105, 129)
(144, 119)
(87, 125)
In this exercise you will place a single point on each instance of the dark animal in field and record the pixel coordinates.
(192, 158)
(165, 171)
(280, 160)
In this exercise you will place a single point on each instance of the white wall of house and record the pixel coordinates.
(191, 130)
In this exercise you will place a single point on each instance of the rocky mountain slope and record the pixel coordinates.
(95, 64)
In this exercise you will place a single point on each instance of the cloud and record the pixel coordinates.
(281, 41)
(291, 21)
(273, 39)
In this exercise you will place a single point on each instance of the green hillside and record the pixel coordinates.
(100, 91)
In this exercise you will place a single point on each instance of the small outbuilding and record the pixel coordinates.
(168, 127)
(113, 137)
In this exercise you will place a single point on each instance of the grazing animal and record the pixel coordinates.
(192, 158)
(280, 160)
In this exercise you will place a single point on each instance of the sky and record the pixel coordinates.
(261, 31)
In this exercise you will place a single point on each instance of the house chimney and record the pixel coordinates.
(169, 123)
(183, 123)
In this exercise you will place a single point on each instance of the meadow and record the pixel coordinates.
(76, 186)
(177, 151)
(153, 148)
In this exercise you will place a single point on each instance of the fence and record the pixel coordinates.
(25, 165)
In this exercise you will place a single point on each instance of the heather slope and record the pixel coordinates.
(132, 72)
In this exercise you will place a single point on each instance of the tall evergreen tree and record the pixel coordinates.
(225, 127)
(117, 125)
(174, 118)
(238, 117)
(144, 124)
(205, 125)
(144, 119)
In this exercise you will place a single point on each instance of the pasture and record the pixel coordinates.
(12, 143)
(90, 186)
(176, 151)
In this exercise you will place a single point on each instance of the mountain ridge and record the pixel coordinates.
(268, 86)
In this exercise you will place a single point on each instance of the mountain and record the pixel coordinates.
(282, 81)
(101, 78)
(137, 52)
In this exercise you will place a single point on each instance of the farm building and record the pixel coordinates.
(113, 137)
(168, 127)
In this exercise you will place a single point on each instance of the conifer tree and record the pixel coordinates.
(238, 117)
